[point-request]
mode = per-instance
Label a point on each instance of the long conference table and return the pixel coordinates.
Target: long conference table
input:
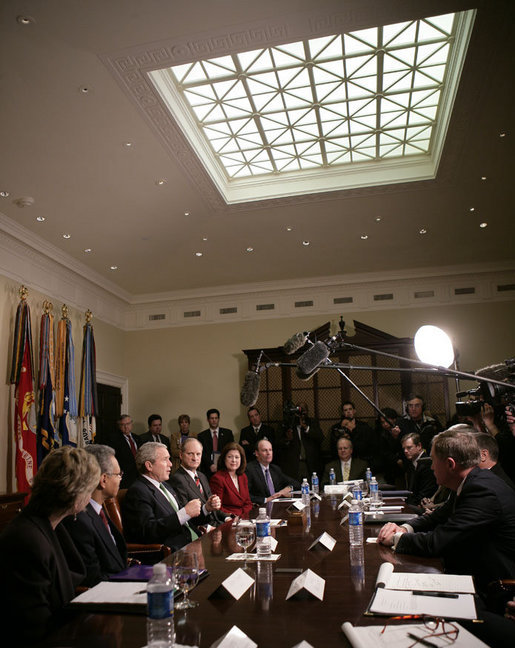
(263, 613)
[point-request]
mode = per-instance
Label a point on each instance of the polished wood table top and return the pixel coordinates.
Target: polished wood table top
(263, 612)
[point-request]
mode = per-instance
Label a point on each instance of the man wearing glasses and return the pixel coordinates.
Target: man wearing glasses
(99, 542)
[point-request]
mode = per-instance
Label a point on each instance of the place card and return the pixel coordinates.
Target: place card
(273, 543)
(336, 489)
(308, 583)
(346, 501)
(235, 638)
(297, 504)
(303, 644)
(325, 540)
(234, 586)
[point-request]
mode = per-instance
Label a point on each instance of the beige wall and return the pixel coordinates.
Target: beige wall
(190, 369)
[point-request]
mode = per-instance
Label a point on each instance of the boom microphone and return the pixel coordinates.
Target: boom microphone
(250, 390)
(295, 343)
(310, 361)
(499, 371)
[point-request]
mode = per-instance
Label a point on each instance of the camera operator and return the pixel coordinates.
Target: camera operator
(300, 442)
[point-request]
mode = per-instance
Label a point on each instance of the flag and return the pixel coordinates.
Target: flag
(88, 384)
(66, 402)
(46, 435)
(24, 414)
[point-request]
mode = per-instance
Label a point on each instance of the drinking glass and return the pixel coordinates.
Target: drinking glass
(186, 577)
(245, 536)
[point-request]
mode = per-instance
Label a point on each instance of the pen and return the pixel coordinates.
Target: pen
(437, 594)
(424, 642)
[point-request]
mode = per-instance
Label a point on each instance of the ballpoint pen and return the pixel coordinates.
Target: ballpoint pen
(422, 641)
(437, 594)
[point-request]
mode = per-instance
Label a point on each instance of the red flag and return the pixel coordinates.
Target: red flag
(24, 425)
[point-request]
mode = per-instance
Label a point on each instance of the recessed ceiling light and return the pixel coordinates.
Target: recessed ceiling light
(4, 194)
(87, 250)
(199, 254)
(114, 267)
(364, 237)
(186, 213)
(378, 219)
(40, 219)
(305, 242)
(502, 134)
(84, 89)
(422, 231)
(127, 144)
(483, 225)
(204, 238)
(67, 236)
(250, 249)
(289, 229)
(483, 177)
(25, 20)
(472, 209)
(160, 182)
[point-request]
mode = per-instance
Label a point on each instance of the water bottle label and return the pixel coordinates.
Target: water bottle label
(305, 490)
(374, 488)
(262, 529)
(159, 604)
(358, 494)
(355, 518)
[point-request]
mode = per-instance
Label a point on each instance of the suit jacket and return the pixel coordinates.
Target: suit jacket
(100, 554)
(258, 487)
(358, 470)
(473, 532)
(149, 517)
(39, 571)
(187, 490)
(233, 502)
(497, 470)
(290, 450)
(125, 457)
(224, 436)
(145, 438)
(248, 434)
(420, 480)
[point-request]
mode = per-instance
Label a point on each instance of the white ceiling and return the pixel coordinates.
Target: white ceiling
(65, 148)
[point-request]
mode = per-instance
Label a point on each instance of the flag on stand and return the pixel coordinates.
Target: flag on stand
(46, 435)
(88, 385)
(66, 401)
(24, 414)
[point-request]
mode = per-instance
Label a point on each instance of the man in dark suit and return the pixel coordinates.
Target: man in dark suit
(364, 441)
(99, 542)
(420, 479)
(300, 445)
(346, 467)
(251, 434)
(189, 483)
(125, 445)
(489, 449)
(151, 511)
(474, 532)
(155, 425)
(213, 440)
(266, 480)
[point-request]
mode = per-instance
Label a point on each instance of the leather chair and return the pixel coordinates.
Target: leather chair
(146, 553)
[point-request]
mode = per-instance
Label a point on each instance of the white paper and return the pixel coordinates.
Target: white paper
(395, 602)
(235, 638)
(325, 540)
(372, 540)
(252, 557)
(299, 505)
(397, 635)
(311, 582)
(237, 583)
(426, 582)
(273, 543)
(106, 592)
(335, 490)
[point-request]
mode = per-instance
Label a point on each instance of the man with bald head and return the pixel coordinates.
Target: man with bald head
(266, 480)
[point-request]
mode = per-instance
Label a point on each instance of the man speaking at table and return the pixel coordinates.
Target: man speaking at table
(474, 531)
(267, 481)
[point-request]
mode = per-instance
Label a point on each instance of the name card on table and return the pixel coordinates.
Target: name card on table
(307, 585)
(346, 501)
(325, 540)
(303, 644)
(234, 586)
(297, 504)
(273, 543)
(235, 638)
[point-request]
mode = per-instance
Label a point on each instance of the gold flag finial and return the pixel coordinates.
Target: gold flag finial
(47, 307)
(64, 311)
(89, 316)
(23, 292)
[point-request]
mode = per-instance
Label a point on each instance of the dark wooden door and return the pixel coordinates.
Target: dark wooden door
(109, 410)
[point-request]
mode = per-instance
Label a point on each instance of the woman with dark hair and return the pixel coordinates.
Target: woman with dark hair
(40, 566)
(230, 483)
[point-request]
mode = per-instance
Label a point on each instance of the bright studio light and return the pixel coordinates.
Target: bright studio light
(434, 346)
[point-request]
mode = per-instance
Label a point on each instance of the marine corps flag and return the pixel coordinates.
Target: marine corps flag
(46, 435)
(24, 414)
(88, 385)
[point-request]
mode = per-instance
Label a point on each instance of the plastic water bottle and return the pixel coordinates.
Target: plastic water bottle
(355, 524)
(314, 483)
(160, 608)
(357, 493)
(368, 476)
(263, 533)
(332, 477)
(374, 493)
(304, 489)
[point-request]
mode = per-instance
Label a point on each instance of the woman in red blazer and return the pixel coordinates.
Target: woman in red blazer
(230, 483)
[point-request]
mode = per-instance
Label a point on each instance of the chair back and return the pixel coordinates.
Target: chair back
(113, 508)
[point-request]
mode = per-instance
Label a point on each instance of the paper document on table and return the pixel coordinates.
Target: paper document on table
(427, 582)
(113, 593)
(398, 636)
(395, 602)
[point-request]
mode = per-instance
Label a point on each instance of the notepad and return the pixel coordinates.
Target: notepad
(397, 635)
(428, 582)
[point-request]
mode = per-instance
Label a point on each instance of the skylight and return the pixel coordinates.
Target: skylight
(345, 110)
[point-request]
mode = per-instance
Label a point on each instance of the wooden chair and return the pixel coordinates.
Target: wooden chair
(146, 553)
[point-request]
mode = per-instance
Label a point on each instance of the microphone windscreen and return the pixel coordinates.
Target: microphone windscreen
(305, 376)
(295, 343)
(313, 358)
(499, 371)
(250, 390)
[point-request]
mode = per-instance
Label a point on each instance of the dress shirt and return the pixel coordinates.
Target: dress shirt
(345, 464)
(192, 475)
(97, 508)
(182, 516)
(266, 472)
(415, 461)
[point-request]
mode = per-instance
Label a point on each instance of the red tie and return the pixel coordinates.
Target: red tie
(133, 446)
(215, 442)
(104, 519)
(198, 484)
